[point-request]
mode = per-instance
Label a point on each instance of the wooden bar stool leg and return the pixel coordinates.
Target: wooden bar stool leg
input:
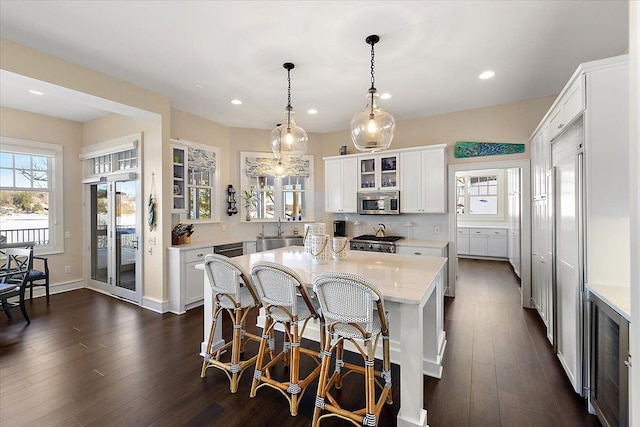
(235, 350)
(339, 363)
(386, 367)
(205, 363)
(322, 381)
(264, 342)
(294, 370)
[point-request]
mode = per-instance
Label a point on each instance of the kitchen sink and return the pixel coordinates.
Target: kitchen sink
(266, 243)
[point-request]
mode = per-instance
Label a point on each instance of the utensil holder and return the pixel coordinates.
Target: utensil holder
(175, 240)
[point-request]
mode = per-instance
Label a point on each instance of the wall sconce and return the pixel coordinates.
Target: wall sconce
(231, 200)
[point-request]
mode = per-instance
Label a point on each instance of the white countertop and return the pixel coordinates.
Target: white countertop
(213, 242)
(500, 226)
(617, 297)
(400, 278)
(423, 243)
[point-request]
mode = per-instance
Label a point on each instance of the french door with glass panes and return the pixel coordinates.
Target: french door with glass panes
(115, 237)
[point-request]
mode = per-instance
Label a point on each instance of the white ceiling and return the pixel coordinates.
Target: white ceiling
(428, 58)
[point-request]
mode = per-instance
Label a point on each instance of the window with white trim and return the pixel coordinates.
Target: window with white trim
(282, 191)
(480, 194)
(31, 196)
(202, 183)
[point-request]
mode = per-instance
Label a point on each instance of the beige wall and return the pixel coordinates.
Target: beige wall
(36, 127)
(513, 122)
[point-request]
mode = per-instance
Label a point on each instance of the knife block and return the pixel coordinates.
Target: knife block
(175, 240)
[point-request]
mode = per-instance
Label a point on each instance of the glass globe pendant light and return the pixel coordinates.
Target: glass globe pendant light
(372, 129)
(288, 140)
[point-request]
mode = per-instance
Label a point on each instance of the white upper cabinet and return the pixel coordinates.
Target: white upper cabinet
(423, 181)
(570, 105)
(341, 185)
(179, 168)
(379, 172)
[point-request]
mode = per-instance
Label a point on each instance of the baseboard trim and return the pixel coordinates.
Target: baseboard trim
(57, 288)
(155, 305)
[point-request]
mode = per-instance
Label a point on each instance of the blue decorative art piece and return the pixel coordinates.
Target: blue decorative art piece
(476, 149)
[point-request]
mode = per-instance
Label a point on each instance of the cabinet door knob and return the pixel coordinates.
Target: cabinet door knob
(560, 126)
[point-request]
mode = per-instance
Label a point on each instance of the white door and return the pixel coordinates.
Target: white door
(115, 237)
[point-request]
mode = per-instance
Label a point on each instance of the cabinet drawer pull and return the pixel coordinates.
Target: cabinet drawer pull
(200, 255)
(417, 253)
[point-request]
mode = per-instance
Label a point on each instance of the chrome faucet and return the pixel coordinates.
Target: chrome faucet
(279, 228)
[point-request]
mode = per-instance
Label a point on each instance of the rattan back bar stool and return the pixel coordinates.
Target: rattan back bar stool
(353, 309)
(287, 303)
(234, 293)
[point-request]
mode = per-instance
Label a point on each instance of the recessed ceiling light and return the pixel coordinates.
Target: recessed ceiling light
(385, 96)
(236, 102)
(199, 86)
(486, 75)
(312, 111)
(36, 92)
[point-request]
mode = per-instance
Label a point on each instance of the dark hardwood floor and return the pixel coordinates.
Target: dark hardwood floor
(92, 360)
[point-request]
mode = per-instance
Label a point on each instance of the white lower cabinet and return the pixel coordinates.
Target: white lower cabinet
(429, 251)
(186, 284)
(463, 240)
(485, 242)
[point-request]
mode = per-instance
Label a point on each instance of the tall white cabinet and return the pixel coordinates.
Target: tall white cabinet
(580, 207)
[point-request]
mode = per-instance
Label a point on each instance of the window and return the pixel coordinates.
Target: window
(286, 194)
(202, 178)
(31, 193)
(480, 194)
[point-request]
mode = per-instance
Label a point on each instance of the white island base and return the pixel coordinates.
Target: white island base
(413, 290)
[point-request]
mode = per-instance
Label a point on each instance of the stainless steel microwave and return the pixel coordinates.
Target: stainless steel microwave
(379, 203)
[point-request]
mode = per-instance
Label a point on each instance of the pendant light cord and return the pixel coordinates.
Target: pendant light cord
(373, 79)
(372, 90)
(289, 107)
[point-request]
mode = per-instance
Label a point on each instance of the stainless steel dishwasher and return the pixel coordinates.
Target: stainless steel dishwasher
(230, 250)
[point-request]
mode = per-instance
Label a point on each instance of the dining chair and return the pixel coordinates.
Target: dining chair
(38, 277)
(286, 303)
(353, 309)
(13, 280)
(233, 292)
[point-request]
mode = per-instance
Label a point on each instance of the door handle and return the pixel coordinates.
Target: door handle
(135, 244)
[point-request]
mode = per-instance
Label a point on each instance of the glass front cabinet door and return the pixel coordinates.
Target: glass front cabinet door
(378, 173)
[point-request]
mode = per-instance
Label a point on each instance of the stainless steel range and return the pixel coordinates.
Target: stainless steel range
(371, 243)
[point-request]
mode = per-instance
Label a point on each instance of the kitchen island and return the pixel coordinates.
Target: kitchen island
(413, 294)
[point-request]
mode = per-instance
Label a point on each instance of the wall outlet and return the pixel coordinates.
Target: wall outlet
(67, 234)
(152, 241)
(67, 269)
(223, 227)
(436, 229)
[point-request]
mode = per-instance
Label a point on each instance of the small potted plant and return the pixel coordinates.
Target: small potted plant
(249, 200)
